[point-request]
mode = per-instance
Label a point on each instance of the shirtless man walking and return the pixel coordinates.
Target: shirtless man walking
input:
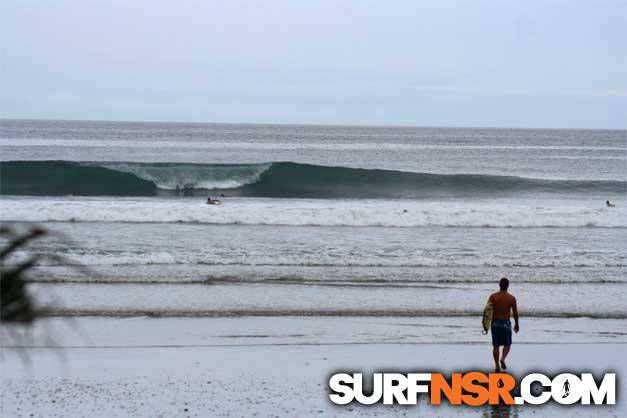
(503, 302)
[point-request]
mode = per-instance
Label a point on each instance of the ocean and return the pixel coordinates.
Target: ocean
(321, 220)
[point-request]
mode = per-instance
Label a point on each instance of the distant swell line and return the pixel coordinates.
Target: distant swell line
(309, 282)
(313, 313)
(344, 265)
(420, 284)
(275, 180)
(498, 224)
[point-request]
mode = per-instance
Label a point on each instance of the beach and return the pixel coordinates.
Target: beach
(265, 366)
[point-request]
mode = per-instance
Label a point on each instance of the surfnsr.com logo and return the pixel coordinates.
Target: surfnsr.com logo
(473, 389)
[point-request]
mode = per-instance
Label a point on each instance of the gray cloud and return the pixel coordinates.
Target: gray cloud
(471, 63)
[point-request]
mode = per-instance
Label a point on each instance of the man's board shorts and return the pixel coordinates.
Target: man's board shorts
(501, 332)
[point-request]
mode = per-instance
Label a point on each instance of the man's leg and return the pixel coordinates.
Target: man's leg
(505, 353)
(495, 355)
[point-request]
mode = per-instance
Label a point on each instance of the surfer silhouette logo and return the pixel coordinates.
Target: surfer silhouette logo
(566, 389)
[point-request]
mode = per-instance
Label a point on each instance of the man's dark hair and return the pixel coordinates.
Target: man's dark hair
(504, 283)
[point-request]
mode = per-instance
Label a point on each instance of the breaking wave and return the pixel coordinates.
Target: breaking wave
(276, 180)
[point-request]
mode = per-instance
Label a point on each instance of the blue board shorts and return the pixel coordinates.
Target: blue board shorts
(501, 332)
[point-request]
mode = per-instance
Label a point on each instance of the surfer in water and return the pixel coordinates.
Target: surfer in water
(501, 327)
(211, 201)
(609, 204)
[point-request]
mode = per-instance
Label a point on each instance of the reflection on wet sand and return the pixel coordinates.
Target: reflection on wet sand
(499, 411)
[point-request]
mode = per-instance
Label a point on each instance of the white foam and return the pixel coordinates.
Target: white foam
(323, 260)
(398, 213)
(175, 176)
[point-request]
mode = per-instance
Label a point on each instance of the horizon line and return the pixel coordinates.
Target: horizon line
(345, 125)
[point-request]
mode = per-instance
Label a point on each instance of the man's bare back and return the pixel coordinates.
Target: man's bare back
(503, 303)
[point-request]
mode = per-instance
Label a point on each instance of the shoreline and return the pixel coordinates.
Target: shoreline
(98, 331)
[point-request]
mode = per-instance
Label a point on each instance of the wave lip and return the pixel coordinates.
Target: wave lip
(274, 180)
(173, 176)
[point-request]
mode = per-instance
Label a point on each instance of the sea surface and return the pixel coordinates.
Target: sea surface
(320, 220)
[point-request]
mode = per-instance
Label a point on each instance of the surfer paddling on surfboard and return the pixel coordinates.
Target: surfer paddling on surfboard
(211, 201)
(497, 313)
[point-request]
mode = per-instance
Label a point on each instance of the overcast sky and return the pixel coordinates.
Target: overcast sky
(425, 63)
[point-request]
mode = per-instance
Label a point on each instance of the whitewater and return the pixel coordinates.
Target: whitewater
(319, 212)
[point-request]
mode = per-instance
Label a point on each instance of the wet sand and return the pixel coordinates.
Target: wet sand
(199, 367)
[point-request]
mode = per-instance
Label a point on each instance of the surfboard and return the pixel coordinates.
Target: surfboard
(487, 317)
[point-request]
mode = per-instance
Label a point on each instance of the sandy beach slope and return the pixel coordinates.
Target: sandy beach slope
(203, 367)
